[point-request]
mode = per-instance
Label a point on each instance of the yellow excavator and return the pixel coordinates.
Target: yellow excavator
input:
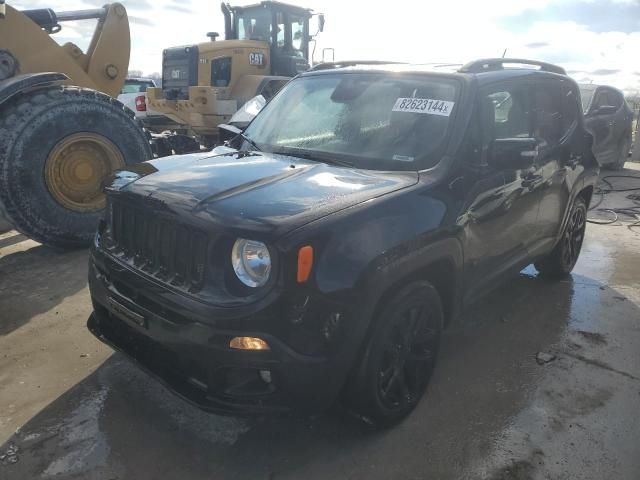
(61, 130)
(203, 85)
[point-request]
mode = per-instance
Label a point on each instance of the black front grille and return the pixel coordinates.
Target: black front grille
(171, 252)
(179, 71)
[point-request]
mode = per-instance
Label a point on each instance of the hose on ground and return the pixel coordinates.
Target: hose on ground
(603, 188)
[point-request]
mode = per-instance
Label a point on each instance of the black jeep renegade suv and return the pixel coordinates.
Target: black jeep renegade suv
(322, 252)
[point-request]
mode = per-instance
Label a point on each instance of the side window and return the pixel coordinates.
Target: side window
(614, 98)
(571, 107)
(297, 32)
(506, 113)
(280, 31)
(548, 113)
(221, 72)
(602, 98)
(255, 25)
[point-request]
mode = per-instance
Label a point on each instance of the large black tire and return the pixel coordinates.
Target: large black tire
(400, 354)
(563, 258)
(31, 125)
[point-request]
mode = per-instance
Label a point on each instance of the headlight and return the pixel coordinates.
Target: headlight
(251, 262)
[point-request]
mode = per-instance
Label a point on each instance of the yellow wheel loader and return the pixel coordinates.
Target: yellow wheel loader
(61, 132)
(204, 85)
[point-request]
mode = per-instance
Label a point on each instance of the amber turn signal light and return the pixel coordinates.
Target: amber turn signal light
(305, 262)
(248, 343)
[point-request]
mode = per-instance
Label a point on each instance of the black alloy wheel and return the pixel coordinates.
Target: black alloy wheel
(564, 256)
(408, 357)
(573, 237)
(400, 354)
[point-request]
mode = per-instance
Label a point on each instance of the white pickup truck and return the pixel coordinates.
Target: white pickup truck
(134, 96)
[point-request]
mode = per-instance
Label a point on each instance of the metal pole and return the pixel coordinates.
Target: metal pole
(80, 14)
(2, 9)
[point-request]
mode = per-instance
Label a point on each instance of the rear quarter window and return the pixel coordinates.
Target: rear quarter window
(136, 86)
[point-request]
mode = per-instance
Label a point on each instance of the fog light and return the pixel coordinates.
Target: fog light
(265, 375)
(248, 343)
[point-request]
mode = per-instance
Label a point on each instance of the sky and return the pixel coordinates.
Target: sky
(594, 40)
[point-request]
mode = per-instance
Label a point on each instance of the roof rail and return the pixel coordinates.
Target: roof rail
(491, 64)
(441, 64)
(350, 63)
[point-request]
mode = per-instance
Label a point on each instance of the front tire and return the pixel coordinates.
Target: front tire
(56, 146)
(396, 365)
(564, 256)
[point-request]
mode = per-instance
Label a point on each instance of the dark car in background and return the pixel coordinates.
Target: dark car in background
(609, 118)
(321, 254)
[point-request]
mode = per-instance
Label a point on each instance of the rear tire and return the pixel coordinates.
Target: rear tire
(46, 127)
(398, 360)
(564, 256)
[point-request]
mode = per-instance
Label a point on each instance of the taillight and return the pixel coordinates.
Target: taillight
(141, 104)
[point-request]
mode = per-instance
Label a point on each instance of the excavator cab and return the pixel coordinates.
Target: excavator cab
(203, 85)
(284, 27)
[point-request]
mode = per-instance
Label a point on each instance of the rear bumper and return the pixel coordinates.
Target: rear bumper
(194, 360)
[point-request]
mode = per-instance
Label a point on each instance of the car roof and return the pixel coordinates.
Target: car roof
(448, 69)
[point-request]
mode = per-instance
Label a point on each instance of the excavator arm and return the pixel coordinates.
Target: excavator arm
(27, 46)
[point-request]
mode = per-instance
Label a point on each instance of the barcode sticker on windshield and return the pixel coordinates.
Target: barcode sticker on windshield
(423, 105)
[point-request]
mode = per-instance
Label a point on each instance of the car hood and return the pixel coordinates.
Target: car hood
(259, 192)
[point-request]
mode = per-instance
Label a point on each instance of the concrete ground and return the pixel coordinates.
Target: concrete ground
(70, 408)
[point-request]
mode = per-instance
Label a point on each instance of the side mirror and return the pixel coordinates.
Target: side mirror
(605, 110)
(319, 23)
(513, 153)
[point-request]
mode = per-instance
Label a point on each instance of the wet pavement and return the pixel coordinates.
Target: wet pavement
(540, 380)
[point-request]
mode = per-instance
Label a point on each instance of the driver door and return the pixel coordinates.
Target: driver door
(501, 204)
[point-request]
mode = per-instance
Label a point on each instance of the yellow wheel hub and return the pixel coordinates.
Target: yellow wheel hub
(76, 167)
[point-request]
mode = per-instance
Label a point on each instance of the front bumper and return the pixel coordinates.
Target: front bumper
(193, 358)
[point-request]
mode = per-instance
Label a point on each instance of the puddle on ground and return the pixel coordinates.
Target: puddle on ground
(80, 436)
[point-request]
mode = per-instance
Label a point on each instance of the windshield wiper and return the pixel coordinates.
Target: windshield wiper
(316, 157)
(249, 141)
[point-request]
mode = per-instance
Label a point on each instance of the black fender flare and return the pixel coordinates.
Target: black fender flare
(380, 277)
(28, 81)
(385, 274)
